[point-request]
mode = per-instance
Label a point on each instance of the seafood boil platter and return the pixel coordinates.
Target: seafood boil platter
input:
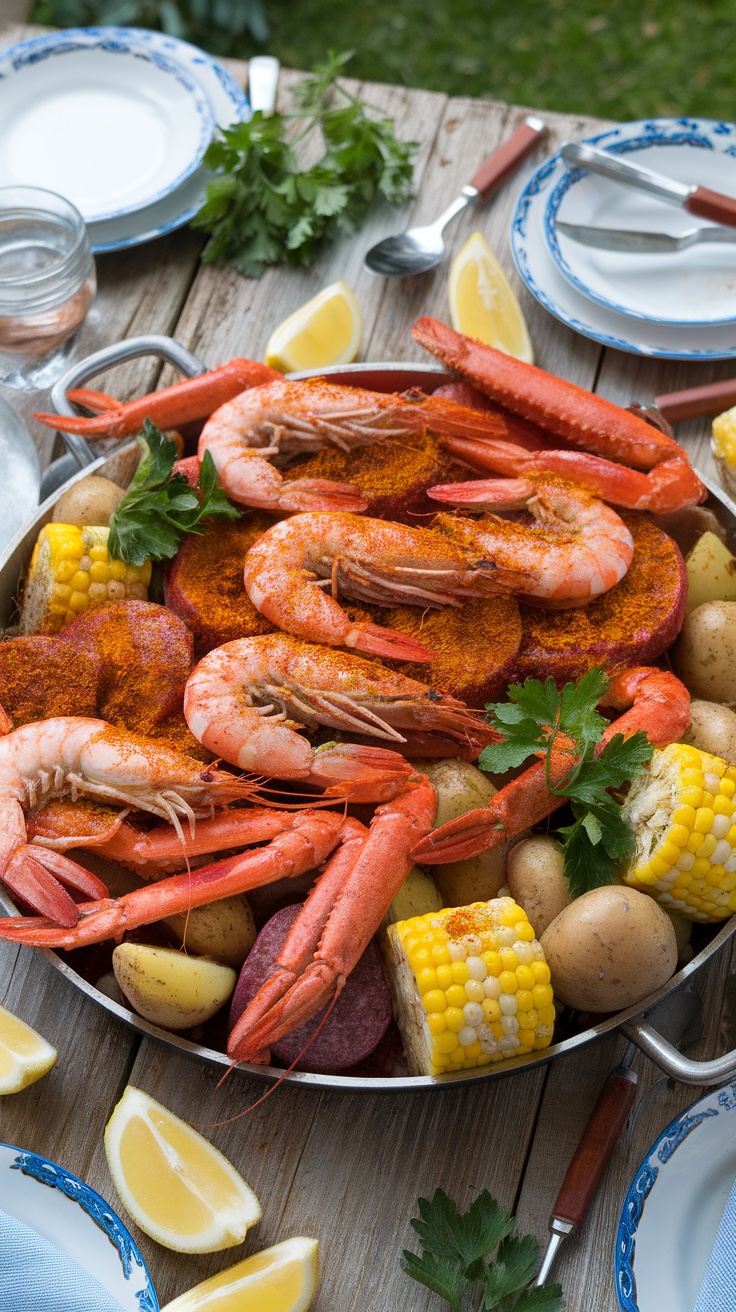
(337, 555)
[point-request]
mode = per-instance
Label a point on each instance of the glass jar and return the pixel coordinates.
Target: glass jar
(47, 284)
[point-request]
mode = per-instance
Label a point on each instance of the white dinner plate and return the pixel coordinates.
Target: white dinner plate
(546, 282)
(229, 105)
(674, 1206)
(694, 287)
(66, 1212)
(101, 118)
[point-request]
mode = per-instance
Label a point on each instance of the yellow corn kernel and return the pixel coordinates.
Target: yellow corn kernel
(460, 972)
(434, 1001)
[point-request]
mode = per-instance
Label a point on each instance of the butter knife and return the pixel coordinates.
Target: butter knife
(648, 243)
(702, 201)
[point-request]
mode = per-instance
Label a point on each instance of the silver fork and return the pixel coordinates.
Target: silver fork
(625, 239)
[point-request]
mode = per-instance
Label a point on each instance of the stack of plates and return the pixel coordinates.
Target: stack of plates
(118, 121)
(675, 306)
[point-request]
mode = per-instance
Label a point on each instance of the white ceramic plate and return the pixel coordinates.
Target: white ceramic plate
(696, 286)
(101, 118)
(674, 1206)
(546, 282)
(64, 1210)
(229, 105)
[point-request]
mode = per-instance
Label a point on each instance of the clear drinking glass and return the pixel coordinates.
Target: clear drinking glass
(47, 284)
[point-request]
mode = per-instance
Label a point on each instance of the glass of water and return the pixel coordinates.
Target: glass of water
(47, 284)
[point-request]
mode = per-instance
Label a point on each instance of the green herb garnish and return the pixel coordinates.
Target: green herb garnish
(160, 506)
(532, 723)
(457, 1246)
(263, 209)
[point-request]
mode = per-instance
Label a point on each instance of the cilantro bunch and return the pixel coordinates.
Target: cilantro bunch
(456, 1247)
(160, 506)
(532, 724)
(263, 208)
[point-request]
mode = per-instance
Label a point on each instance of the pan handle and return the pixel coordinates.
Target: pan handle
(166, 348)
(672, 1062)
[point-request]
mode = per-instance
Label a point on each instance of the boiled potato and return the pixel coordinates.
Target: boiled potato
(711, 572)
(713, 730)
(170, 989)
(225, 931)
(461, 787)
(609, 949)
(93, 500)
(418, 895)
(536, 879)
(704, 656)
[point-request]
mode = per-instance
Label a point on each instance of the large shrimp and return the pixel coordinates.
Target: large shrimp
(85, 757)
(245, 700)
(293, 568)
(268, 425)
(577, 549)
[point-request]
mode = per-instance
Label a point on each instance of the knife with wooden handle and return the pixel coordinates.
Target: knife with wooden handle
(702, 201)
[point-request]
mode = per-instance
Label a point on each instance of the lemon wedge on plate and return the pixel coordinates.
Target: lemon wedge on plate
(482, 304)
(178, 1188)
(280, 1279)
(327, 330)
(24, 1055)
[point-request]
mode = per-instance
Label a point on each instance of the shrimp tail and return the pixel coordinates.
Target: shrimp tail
(386, 642)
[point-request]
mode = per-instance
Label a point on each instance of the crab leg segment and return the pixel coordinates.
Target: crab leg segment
(340, 917)
(657, 703)
(310, 838)
(194, 398)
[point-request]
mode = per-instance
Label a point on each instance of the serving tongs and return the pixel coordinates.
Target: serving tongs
(702, 201)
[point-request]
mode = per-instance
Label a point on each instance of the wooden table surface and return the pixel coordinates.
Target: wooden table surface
(348, 1168)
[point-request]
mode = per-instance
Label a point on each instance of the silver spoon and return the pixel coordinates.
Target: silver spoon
(422, 248)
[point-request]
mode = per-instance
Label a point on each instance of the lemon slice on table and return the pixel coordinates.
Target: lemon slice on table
(24, 1055)
(327, 330)
(280, 1279)
(482, 304)
(178, 1188)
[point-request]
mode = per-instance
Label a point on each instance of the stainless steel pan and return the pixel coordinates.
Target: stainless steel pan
(633, 1022)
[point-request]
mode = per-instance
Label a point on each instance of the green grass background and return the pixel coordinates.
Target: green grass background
(621, 60)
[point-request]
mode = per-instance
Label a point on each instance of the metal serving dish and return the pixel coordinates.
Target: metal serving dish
(120, 466)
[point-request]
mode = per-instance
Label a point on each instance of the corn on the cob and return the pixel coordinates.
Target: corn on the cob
(71, 571)
(470, 986)
(684, 820)
(723, 446)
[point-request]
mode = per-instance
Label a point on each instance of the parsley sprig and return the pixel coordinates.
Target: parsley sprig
(263, 208)
(160, 506)
(457, 1246)
(532, 723)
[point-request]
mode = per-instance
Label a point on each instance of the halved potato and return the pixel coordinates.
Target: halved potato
(169, 988)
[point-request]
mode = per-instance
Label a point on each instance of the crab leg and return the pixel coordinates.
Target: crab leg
(657, 703)
(194, 398)
(308, 841)
(570, 412)
(337, 922)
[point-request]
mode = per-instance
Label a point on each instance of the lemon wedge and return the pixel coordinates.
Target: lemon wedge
(178, 1188)
(24, 1055)
(327, 330)
(482, 304)
(280, 1279)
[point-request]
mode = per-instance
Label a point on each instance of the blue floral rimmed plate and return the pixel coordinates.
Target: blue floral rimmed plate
(673, 1208)
(66, 1212)
(691, 288)
(552, 289)
(102, 118)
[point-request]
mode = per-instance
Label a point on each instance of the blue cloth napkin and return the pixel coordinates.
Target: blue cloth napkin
(718, 1289)
(35, 1276)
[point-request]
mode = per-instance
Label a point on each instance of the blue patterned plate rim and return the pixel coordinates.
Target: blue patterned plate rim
(646, 132)
(673, 1135)
(191, 196)
(97, 1208)
(519, 237)
(119, 41)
